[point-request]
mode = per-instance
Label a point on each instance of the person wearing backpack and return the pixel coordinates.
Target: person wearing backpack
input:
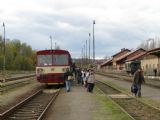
(138, 80)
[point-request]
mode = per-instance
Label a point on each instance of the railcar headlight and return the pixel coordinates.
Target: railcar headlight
(40, 70)
(64, 69)
(52, 69)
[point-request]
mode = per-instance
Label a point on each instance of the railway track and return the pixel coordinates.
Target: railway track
(32, 108)
(17, 78)
(149, 82)
(15, 83)
(135, 108)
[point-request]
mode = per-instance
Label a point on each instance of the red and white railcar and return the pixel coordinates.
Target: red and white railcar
(51, 65)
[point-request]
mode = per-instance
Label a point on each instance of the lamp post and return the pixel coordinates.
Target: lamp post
(84, 54)
(93, 42)
(4, 58)
(82, 58)
(86, 51)
(51, 42)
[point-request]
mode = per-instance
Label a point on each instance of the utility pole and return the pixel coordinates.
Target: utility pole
(55, 45)
(4, 58)
(86, 52)
(82, 58)
(89, 47)
(93, 43)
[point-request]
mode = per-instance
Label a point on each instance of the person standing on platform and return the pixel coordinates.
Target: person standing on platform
(79, 76)
(68, 77)
(86, 78)
(90, 81)
(83, 76)
(155, 72)
(138, 80)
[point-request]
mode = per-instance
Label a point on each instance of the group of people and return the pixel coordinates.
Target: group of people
(82, 76)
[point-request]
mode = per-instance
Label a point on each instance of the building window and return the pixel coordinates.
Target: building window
(149, 66)
(153, 66)
(146, 66)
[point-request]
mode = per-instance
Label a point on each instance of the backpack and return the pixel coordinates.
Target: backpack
(134, 88)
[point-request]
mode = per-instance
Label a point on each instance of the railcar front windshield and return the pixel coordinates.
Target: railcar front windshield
(46, 60)
(60, 59)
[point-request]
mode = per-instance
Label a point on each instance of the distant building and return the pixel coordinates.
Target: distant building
(118, 60)
(106, 64)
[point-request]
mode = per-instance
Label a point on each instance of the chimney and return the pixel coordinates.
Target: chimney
(122, 49)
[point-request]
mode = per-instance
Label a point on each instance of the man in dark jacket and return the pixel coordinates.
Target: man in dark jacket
(138, 80)
(68, 81)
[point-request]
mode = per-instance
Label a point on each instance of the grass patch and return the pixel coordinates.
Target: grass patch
(108, 110)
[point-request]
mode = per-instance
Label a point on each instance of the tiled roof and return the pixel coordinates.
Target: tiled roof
(136, 56)
(121, 57)
(121, 52)
(153, 50)
(106, 62)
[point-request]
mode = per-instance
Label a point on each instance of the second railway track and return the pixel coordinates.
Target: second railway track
(132, 106)
(33, 108)
(149, 82)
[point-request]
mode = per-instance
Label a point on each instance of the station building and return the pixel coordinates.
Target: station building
(151, 61)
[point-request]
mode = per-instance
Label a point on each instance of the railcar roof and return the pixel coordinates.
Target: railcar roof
(52, 51)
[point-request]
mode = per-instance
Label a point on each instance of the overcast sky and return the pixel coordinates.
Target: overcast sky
(119, 23)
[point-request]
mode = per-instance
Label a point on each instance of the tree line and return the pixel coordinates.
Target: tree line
(150, 43)
(19, 56)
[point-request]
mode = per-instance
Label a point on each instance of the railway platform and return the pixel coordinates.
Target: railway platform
(82, 105)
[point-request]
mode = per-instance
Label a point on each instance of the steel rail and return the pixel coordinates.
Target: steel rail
(47, 107)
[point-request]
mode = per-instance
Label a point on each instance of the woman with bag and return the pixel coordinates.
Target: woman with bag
(68, 77)
(90, 81)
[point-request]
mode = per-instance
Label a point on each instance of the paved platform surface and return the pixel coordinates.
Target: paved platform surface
(82, 105)
(75, 105)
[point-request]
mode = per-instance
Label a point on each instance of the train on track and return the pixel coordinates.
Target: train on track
(132, 67)
(51, 65)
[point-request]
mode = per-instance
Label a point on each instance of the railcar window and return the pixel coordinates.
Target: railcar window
(60, 59)
(44, 60)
